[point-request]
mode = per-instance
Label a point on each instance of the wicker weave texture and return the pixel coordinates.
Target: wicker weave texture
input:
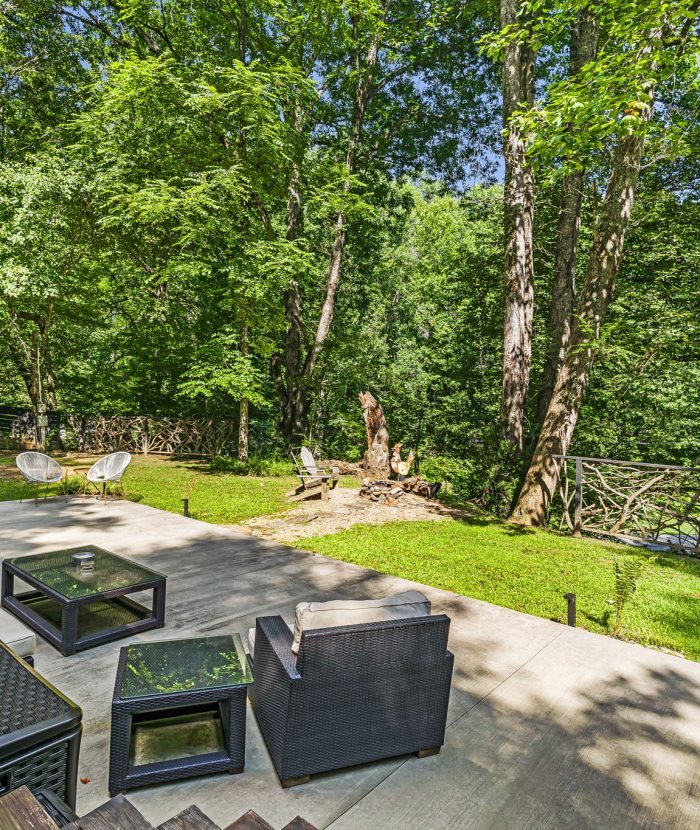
(25, 700)
(40, 732)
(355, 694)
(45, 768)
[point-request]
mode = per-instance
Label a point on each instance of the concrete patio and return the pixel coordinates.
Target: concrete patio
(549, 727)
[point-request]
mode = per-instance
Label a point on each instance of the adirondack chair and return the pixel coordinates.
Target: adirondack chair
(312, 481)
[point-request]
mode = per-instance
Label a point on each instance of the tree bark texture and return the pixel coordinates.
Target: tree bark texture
(243, 406)
(584, 40)
(293, 376)
(518, 90)
(288, 373)
(596, 294)
(377, 455)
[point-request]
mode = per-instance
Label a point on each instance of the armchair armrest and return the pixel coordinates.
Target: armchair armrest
(275, 675)
(273, 646)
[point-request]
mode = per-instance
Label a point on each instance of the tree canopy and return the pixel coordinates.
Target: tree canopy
(257, 209)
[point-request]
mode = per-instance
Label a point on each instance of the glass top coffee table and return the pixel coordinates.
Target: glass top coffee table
(178, 710)
(75, 609)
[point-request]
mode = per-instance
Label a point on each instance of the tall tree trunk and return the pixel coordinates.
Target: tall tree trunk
(293, 384)
(288, 376)
(243, 406)
(584, 39)
(596, 294)
(518, 90)
(31, 355)
(364, 72)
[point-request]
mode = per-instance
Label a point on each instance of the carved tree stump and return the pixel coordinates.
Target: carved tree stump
(377, 455)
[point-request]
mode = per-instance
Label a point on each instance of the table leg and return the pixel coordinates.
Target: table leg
(159, 604)
(8, 583)
(69, 627)
(236, 707)
(120, 740)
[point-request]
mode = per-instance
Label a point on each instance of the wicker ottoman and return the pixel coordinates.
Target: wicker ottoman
(39, 732)
(179, 710)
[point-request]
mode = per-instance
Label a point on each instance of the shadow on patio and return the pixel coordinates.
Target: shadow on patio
(548, 726)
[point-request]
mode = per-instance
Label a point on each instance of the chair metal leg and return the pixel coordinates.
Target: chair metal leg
(24, 488)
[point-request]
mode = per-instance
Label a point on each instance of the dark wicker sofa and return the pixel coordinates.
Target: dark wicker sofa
(352, 695)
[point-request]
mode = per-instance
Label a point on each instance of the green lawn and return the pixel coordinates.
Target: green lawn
(522, 569)
(218, 497)
(529, 571)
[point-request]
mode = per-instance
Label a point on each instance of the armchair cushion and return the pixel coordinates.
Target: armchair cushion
(312, 615)
(16, 635)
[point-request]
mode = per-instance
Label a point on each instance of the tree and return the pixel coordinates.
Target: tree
(376, 109)
(45, 245)
(582, 50)
(639, 54)
(518, 193)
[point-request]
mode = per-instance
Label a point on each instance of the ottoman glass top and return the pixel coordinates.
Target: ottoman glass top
(173, 666)
(56, 570)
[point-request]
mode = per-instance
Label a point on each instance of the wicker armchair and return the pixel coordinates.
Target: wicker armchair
(352, 695)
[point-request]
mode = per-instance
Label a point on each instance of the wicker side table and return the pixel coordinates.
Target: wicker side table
(179, 710)
(40, 731)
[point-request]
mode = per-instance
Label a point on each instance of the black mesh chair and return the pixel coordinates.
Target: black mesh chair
(353, 694)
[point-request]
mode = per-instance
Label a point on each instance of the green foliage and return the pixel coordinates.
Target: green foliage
(146, 155)
(643, 53)
(627, 574)
(255, 466)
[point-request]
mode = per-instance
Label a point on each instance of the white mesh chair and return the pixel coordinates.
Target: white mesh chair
(111, 468)
(38, 469)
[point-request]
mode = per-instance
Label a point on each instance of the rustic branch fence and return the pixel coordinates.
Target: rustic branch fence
(651, 503)
(136, 434)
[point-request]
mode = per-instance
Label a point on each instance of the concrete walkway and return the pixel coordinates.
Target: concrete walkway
(549, 727)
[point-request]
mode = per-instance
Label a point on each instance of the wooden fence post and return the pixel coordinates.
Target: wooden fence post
(578, 496)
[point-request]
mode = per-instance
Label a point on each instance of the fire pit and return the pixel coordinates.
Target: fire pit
(382, 490)
(385, 491)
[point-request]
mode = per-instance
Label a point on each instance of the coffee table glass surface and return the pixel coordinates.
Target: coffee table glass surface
(76, 607)
(172, 666)
(57, 571)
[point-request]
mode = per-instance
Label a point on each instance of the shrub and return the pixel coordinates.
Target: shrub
(489, 477)
(255, 466)
(628, 570)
